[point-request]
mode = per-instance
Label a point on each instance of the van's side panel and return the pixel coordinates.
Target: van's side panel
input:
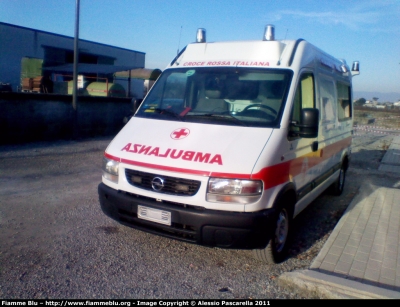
(315, 162)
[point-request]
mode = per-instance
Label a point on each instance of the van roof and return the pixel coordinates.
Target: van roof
(293, 54)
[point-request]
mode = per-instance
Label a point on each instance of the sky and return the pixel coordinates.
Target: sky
(355, 30)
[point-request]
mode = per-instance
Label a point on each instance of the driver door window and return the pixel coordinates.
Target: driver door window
(304, 98)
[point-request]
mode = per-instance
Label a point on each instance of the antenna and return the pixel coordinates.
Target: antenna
(287, 30)
(279, 62)
(179, 40)
(280, 58)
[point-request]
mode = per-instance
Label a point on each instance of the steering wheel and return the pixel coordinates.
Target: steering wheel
(255, 105)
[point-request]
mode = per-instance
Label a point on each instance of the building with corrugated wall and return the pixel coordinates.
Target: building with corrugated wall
(39, 61)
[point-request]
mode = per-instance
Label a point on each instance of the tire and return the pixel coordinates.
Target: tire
(277, 247)
(338, 186)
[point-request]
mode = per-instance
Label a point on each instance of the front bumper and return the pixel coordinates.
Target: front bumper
(245, 230)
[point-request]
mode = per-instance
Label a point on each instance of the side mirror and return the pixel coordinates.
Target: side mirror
(308, 126)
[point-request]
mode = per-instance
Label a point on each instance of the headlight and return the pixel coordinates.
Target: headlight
(234, 190)
(110, 169)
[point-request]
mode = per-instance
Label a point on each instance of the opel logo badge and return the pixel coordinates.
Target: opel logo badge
(157, 183)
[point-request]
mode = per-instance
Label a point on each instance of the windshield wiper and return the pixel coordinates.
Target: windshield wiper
(168, 112)
(224, 115)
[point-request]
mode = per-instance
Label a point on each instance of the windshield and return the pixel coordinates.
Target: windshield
(226, 96)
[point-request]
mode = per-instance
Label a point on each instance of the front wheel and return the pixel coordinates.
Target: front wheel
(277, 247)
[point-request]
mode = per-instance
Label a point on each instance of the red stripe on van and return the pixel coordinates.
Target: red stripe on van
(112, 157)
(281, 173)
(270, 175)
(166, 168)
(159, 167)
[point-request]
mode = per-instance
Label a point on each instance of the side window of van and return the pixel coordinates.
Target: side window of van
(328, 105)
(343, 101)
(304, 97)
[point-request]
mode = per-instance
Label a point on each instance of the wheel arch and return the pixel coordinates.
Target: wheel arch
(287, 195)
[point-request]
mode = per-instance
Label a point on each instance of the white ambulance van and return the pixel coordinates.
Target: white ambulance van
(231, 143)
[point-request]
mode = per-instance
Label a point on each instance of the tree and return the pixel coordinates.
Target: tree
(360, 102)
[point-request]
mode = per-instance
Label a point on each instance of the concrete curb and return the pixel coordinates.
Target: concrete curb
(391, 160)
(324, 286)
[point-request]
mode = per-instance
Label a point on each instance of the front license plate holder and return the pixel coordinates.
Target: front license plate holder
(154, 215)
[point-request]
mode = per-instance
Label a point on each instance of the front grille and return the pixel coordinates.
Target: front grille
(169, 203)
(172, 185)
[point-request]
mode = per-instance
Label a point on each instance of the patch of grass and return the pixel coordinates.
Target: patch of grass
(383, 117)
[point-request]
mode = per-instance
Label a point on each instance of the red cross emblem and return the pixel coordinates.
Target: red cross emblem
(180, 133)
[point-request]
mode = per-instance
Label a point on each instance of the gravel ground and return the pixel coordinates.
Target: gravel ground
(56, 242)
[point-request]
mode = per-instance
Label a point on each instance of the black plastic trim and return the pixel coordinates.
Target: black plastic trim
(245, 230)
(294, 51)
(179, 54)
(316, 182)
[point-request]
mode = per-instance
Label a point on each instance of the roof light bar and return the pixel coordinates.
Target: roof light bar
(201, 35)
(355, 69)
(269, 33)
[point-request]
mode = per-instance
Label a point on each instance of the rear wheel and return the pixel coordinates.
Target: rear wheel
(276, 250)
